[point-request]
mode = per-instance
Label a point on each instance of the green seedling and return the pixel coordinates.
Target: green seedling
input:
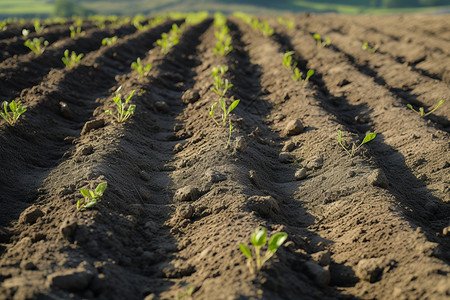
(370, 136)
(298, 75)
(321, 43)
(3, 25)
(109, 40)
(365, 46)
(91, 197)
(220, 20)
(36, 45)
(71, 60)
(168, 40)
(25, 32)
(76, 31)
(223, 45)
(187, 293)
(142, 70)
(421, 111)
(225, 110)
(287, 60)
(288, 23)
(266, 29)
(38, 27)
(221, 85)
(138, 19)
(123, 113)
(16, 110)
(258, 240)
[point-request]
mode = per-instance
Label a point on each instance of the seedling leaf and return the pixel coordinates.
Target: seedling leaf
(370, 136)
(259, 237)
(85, 193)
(276, 241)
(244, 249)
(233, 105)
(101, 189)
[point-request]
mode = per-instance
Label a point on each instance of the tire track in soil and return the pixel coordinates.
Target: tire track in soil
(393, 156)
(34, 146)
(108, 245)
(15, 46)
(17, 74)
(408, 86)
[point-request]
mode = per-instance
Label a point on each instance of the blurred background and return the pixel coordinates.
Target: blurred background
(68, 8)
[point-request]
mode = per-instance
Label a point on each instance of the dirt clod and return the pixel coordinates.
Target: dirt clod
(91, 125)
(288, 146)
(285, 157)
(162, 106)
(370, 269)
(187, 193)
(266, 206)
(71, 279)
(293, 127)
(30, 215)
(320, 275)
(315, 162)
(190, 96)
(323, 258)
(300, 174)
(67, 229)
(378, 178)
(185, 211)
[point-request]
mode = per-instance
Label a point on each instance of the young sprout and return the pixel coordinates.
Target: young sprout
(287, 60)
(91, 197)
(221, 85)
(288, 23)
(37, 27)
(36, 45)
(16, 110)
(142, 70)
(258, 240)
(25, 32)
(71, 60)
(297, 76)
(109, 40)
(370, 136)
(365, 46)
(168, 40)
(309, 74)
(321, 43)
(3, 25)
(75, 31)
(122, 113)
(421, 111)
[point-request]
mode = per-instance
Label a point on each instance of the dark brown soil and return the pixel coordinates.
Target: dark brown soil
(179, 200)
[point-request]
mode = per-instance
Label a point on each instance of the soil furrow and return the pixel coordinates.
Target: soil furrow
(15, 46)
(17, 74)
(109, 245)
(401, 169)
(385, 213)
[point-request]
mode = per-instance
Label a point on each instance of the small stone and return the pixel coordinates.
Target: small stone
(300, 174)
(293, 127)
(190, 96)
(320, 275)
(214, 176)
(66, 112)
(378, 178)
(30, 215)
(162, 106)
(144, 175)
(27, 265)
(315, 162)
(178, 147)
(322, 257)
(240, 144)
(187, 193)
(91, 125)
(370, 269)
(288, 146)
(185, 211)
(284, 157)
(253, 177)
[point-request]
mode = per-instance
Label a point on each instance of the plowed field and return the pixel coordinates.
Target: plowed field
(179, 200)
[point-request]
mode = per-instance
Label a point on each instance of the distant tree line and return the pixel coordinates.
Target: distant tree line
(69, 8)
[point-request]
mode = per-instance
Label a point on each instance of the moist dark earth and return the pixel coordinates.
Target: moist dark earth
(180, 200)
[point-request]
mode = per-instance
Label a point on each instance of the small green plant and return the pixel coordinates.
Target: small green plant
(37, 45)
(221, 85)
(76, 31)
(186, 293)
(142, 70)
(16, 110)
(370, 136)
(421, 111)
(223, 44)
(365, 46)
(288, 23)
(287, 60)
(137, 20)
(321, 43)
(298, 75)
(3, 25)
(123, 113)
(168, 40)
(71, 60)
(38, 27)
(25, 32)
(225, 110)
(91, 197)
(109, 40)
(258, 240)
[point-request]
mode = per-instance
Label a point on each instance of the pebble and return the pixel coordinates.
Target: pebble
(86, 150)
(285, 157)
(91, 125)
(293, 127)
(214, 176)
(178, 147)
(378, 178)
(145, 194)
(187, 193)
(144, 175)
(190, 96)
(300, 174)
(320, 275)
(315, 162)
(65, 110)
(30, 215)
(162, 106)
(185, 211)
(288, 146)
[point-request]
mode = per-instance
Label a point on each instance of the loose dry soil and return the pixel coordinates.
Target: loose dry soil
(179, 201)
